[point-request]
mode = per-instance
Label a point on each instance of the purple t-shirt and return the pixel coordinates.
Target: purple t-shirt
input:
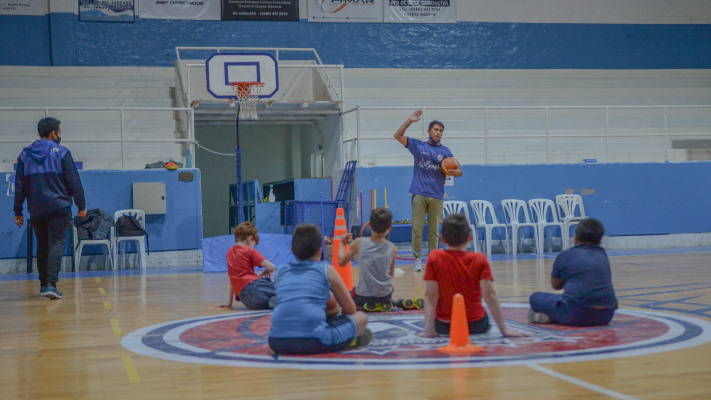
(427, 177)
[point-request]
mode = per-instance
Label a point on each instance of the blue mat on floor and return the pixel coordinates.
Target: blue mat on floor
(274, 247)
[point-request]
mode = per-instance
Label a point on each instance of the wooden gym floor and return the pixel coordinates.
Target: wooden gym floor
(71, 348)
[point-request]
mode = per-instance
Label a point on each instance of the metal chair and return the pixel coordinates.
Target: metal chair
(140, 240)
(540, 211)
(80, 243)
(485, 218)
(451, 207)
(566, 205)
(517, 218)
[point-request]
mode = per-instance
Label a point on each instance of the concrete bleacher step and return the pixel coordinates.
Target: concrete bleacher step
(69, 82)
(77, 94)
(88, 103)
(68, 94)
(458, 96)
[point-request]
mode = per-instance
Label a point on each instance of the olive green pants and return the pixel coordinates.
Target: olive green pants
(432, 207)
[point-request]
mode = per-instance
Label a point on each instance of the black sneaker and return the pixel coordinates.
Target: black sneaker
(363, 339)
(417, 303)
(378, 307)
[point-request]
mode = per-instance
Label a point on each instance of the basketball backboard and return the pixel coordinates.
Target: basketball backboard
(223, 68)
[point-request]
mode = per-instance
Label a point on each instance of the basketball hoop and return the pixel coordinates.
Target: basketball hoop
(247, 95)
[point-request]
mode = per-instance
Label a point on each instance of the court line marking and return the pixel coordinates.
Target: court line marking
(131, 370)
(102, 291)
(582, 383)
(115, 326)
(107, 305)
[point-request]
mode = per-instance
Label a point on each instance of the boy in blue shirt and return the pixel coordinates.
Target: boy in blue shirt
(583, 272)
(427, 186)
(303, 288)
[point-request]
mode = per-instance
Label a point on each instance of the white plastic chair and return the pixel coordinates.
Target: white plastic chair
(540, 211)
(451, 207)
(80, 243)
(566, 205)
(514, 211)
(485, 218)
(140, 240)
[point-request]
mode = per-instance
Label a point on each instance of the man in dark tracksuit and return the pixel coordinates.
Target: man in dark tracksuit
(47, 177)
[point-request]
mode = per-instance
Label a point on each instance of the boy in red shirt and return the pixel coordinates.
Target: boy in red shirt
(455, 271)
(254, 291)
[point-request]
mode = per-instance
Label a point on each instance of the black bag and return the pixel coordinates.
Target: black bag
(128, 225)
(96, 225)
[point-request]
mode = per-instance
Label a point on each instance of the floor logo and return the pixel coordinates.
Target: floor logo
(241, 340)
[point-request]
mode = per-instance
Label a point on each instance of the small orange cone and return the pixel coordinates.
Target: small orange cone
(340, 229)
(459, 329)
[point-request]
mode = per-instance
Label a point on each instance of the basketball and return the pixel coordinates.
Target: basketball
(449, 164)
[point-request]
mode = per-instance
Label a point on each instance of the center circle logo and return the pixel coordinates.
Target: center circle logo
(240, 339)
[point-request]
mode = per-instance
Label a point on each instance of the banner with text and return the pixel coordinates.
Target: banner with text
(420, 11)
(23, 7)
(345, 10)
(260, 10)
(107, 10)
(179, 9)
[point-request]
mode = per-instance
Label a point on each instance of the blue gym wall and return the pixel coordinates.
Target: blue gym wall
(179, 229)
(25, 40)
(630, 199)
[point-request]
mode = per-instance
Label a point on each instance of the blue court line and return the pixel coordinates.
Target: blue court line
(401, 253)
(662, 286)
(103, 273)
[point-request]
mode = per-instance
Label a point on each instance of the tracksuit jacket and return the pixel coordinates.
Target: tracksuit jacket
(47, 177)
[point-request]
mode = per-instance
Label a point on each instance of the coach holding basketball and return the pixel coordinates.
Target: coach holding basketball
(427, 186)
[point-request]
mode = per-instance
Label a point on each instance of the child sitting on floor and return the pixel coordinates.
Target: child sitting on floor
(256, 292)
(583, 272)
(455, 271)
(376, 262)
(303, 288)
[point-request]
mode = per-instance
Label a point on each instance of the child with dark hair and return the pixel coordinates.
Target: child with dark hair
(584, 274)
(256, 292)
(304, 287)
(376, 262)
(455, 271)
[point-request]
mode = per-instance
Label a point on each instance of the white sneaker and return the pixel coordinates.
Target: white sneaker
(418, 265)
(537, 317)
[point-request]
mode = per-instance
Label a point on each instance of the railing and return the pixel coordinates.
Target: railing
(536, 135)
(24, 137)
(335, 91)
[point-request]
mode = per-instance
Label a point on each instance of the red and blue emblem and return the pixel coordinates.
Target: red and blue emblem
(240, 339)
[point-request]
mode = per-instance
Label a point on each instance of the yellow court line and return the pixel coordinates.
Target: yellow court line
(102, 291)
(115, 326)
(130, 369)
(107, 305)
(97, 279)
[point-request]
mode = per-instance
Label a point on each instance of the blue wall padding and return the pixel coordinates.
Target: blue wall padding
(179, 229)
(630, 199)
(274, 247)
(468, 45)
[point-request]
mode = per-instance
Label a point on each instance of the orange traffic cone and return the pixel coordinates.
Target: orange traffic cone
(459, 329)
(340, 229)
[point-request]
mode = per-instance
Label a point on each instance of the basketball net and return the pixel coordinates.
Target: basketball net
(247, 95)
